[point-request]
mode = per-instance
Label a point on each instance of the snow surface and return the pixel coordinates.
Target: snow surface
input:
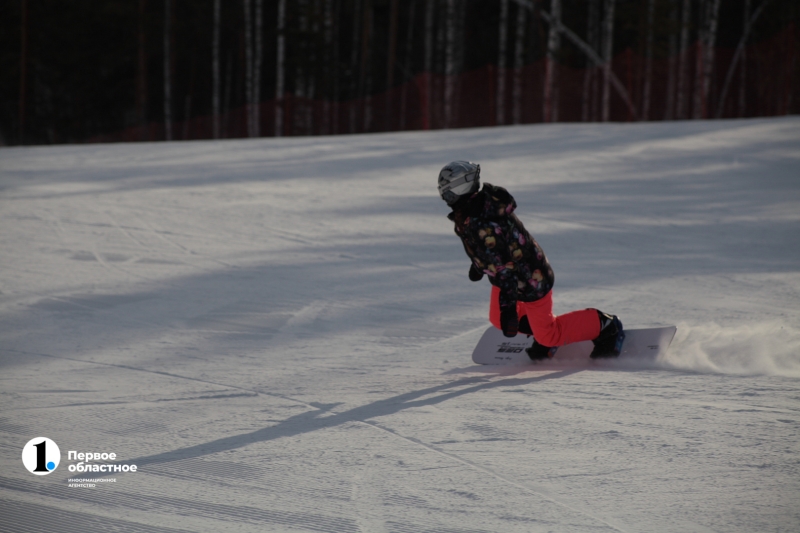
(278, 333)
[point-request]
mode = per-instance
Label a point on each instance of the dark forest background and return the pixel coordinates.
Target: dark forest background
(145, 70)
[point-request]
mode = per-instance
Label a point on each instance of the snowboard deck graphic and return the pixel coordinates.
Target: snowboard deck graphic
(496, 349)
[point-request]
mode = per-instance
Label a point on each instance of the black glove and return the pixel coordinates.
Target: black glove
(525, 326)
(509, 321)
(474, 273)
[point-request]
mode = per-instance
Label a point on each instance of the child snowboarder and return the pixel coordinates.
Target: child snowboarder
(522, 279)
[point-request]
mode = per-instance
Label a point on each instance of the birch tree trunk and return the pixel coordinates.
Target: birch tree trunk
(23, 69)
(440, 66)
(501, 64)
(550, 111)
(366, 71)
(461, 16)
(259, 53)
(699, 59)
(298, 109)
(588, 102)
(426, 86)
(608, 49)
(519, 49)
(648, 66)
(683, 74)
(167, 70)
(248, 67)
(743, 70)
(279, 67)
(335, 67)
(390, 66)
(354, 64)
(739, 53)
(226, 102)
(587, 50)
(669, 111)
(141, 78)
(450, 63)
(407, 64)
(329, 48)
(226, 95)
(215, 85)
(712, 18)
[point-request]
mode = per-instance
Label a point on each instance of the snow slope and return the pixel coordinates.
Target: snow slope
(278, 333)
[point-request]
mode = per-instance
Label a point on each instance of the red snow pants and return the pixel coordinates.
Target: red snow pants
(548, 329)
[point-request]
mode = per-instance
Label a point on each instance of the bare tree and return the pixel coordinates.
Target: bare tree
(669, 110)
(683, 75)
(141, 75)
(215, 85)
(743, 70)
(705, 58)
(226, 101)
(450, 63)
(737, 55)
(299, 114)
(279, 67)
(426, 96)
(608, 48)
(699, 56)
(365, 84)
(589, 100)
(354, 64)
(335, 68)
(440, 64)
(253, 49)
(167, 70)
(519, 50)
(329, 60)
(501, 63)
(648, 66)
(591, 54)
(390, 63)
(259, 53)
(407, 63)
(248, 67)
(550, 110)
(23, 69)
(461, 16)
(453, 57)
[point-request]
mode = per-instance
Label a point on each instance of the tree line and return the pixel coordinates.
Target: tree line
(179, 69)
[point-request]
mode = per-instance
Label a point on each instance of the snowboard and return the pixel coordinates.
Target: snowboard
(496, 349)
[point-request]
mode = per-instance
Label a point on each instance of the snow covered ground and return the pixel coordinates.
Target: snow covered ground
(277, 332)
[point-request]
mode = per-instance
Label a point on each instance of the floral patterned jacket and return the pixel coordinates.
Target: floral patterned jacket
(499, 246)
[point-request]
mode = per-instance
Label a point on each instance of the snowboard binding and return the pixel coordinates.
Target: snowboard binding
(612, 335)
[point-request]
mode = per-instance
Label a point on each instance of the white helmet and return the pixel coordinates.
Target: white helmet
(458, 179)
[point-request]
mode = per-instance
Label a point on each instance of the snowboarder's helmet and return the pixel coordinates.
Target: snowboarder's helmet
(457, 179)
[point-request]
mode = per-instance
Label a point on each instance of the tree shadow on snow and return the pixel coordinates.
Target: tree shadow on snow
(324, 418)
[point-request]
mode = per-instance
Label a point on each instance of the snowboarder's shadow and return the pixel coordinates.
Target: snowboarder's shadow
(509, 370)
(323, 416)
(568, 366)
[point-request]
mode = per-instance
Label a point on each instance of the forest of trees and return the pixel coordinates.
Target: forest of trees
(148, 70)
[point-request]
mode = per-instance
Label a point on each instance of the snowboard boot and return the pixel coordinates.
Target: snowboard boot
(609, 342)
(540, 352)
